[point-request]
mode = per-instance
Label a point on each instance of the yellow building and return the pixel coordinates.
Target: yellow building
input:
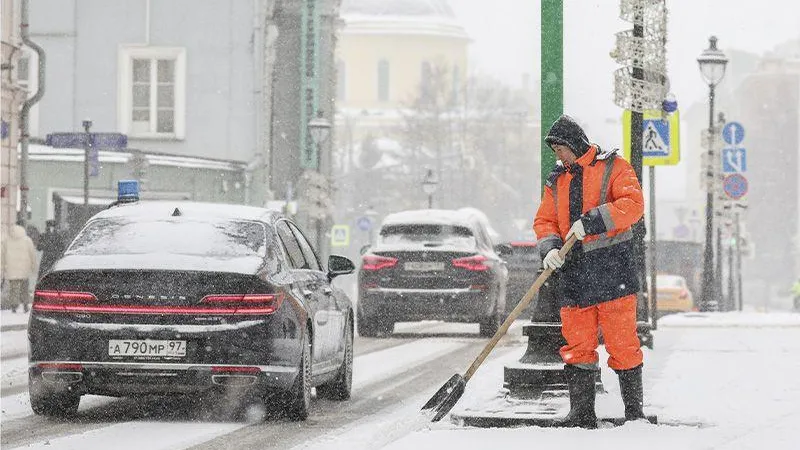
(387, 51)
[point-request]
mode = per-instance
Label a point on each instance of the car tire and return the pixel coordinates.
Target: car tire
(341, 386)
(490, 325)
(53, 404)
(299, 398)
(374, 327)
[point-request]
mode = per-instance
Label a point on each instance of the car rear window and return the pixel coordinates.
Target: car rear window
(430, 235)
(180, 236)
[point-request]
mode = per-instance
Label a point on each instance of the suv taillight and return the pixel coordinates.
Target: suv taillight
(474, 263)
(376, 262)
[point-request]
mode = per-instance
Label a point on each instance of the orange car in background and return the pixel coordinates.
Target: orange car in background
(673, 295)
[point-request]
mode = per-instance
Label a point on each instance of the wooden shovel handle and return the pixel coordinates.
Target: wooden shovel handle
(517, 311)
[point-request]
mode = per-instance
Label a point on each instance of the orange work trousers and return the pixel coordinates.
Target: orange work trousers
(617, 319)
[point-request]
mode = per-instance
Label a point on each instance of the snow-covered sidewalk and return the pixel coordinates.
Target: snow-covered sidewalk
(732, 375)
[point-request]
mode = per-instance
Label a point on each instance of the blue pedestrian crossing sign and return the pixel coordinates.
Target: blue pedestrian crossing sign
(340, 236)
(660, 138)
(734, 160)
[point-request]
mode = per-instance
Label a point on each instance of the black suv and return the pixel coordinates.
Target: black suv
(432, 265)
(524, 265)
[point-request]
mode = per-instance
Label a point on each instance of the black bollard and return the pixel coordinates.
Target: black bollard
(540, 371)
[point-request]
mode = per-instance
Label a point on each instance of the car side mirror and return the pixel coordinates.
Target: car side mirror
(339, 265)
(364, 249)
(503, 249)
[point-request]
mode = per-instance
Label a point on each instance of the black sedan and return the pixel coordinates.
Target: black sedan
(432, 265)
(187, 298)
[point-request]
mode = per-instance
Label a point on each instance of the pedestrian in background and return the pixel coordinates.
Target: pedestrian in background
(596, 197)
(19, 265)
(52, 246)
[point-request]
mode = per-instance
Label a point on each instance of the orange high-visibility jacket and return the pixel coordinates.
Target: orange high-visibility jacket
(602, 268)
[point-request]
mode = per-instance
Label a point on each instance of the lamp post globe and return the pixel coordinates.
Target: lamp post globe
(712, 64)
(320, 129)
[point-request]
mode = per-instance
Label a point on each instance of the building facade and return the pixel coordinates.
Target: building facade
(13, 94)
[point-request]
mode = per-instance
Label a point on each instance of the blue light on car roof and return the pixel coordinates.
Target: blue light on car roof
(127, 191)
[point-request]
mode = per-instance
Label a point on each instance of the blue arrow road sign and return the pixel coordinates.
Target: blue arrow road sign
(733, 133)
(78, 140)
(734, 160)
(735, 186)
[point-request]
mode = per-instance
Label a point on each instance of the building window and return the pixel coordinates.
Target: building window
(383, 80)
(341, 81)
(456, 85)
(426, 81)
(153, 92)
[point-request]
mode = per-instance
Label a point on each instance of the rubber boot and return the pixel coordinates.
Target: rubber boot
(630, 384)
(581, 399)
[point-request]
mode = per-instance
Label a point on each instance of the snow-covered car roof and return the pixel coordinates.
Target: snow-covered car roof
(164, 208)
(428, 216)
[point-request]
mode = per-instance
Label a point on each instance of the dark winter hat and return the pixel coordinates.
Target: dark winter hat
(565, 131)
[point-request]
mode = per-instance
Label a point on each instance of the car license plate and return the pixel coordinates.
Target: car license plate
(423, 266)
(146, 347)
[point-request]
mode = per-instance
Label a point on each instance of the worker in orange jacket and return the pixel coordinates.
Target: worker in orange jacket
(595, 196)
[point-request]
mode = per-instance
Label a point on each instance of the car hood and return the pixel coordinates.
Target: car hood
(160, 261)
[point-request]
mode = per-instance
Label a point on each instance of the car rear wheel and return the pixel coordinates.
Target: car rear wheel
(373, 327)
(490, 325)
(53, 404)
(300, 396)
(341, 386)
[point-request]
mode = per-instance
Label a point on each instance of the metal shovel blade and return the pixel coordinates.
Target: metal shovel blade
(446, 397)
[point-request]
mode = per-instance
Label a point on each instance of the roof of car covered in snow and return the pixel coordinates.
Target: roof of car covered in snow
(165, 208)
(430, 216)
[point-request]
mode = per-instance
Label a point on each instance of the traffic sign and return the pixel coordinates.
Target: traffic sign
(733, 133)
(340, 236)
(364, 223)
(660, 137)
(78, 140)
(735, 186)
(734, 160)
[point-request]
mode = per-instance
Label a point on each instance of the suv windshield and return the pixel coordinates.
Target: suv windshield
(428, 235)
(179, 236)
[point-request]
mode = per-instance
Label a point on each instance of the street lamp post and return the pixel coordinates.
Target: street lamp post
(320, 128)
(429, 186)
(87, 151)
(712, 67)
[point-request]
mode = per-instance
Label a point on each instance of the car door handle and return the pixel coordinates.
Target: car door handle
(307, 293)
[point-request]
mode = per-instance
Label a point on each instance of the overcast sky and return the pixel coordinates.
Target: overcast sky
(506, 43)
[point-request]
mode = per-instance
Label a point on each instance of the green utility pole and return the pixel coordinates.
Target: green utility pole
(552, 74)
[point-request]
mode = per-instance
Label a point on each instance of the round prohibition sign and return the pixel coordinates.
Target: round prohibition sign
(735, 186)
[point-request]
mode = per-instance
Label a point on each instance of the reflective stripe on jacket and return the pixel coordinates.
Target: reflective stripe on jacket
(602, 268)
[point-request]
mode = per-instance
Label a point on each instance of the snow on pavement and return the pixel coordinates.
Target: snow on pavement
(367, 369)
(730, 378)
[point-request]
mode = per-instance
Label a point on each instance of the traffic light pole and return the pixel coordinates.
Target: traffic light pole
(738, 259)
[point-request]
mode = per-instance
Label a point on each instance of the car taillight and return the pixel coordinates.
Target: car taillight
(61, 366)
(246, 303)
(44, 300)
(376, 262)
(475, 263)
(684, 294)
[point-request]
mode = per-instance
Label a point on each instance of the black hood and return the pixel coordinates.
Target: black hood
(566, 131)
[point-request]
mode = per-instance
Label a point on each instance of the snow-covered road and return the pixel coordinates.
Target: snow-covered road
(733, 376)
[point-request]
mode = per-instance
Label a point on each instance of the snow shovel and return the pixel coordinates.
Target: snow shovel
(448, 395)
